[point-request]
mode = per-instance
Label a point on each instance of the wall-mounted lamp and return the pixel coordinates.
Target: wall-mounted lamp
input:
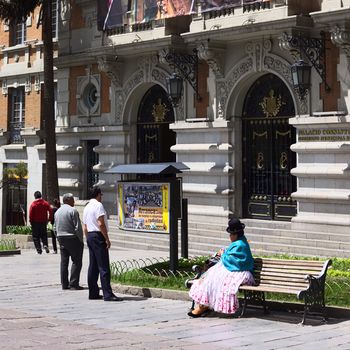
(301, 76)
(314, 50)
(186, 68)
(174, 85)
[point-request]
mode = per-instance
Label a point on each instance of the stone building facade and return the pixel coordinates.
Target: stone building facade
(254, 147)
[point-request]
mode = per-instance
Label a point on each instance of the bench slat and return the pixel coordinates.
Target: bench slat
(290, 262)
(271, 289)
(286, 267)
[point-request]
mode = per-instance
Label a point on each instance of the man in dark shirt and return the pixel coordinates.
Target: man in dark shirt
(40, 213)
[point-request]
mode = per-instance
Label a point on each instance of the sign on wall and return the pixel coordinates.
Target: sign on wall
(116, 13)
(144, 206)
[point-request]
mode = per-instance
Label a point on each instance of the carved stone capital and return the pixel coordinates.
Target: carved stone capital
(212, 54)
(284, 44)
(112, 67)
(341, 38)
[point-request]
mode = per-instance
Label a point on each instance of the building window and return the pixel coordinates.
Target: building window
(89, 99)
(18, 33)
(16, 113)
(54, 19)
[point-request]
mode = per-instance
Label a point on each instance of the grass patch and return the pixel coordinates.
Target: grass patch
(7, 244)
(19, 230)
(156, 274)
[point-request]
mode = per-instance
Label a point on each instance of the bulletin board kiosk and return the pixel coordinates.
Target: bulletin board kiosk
(149, 198)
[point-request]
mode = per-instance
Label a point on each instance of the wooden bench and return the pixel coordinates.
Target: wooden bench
(303, 278)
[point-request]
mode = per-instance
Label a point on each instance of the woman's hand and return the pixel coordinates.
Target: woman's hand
(220, 252)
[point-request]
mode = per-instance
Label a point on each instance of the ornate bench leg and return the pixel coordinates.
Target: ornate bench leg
(306, 310)
(244, 306)
(266, 310)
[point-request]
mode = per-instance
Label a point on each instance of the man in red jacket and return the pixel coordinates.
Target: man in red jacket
(40, 213)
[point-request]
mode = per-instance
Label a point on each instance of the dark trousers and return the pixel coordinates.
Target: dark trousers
(71, 247)
(54, 241)
(99, 265)
(39, 234)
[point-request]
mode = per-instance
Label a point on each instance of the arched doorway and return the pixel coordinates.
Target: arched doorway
(154, 138)
(267, 158)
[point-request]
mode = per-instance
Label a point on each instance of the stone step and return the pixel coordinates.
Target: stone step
(259, 233)
(263, 240)
(249, 223)
(260, 239)
(117, 244)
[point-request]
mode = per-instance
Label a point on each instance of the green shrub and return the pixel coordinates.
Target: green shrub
(19, 230)
(7, 244)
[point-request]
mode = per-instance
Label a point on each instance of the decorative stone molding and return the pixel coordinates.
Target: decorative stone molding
(28, 85)
(69, 149)
(69, 183)
(88, 96)
(341, 38)
(146, 64)
(37, 84)
(103, 166)
(67, 166)
(147, 73)
(277, 64)
(112, 67)
(4, 87)
(284, 44)
(213, 56)
(259, 59)
(110, 149)
(257, 50)
(224, 87)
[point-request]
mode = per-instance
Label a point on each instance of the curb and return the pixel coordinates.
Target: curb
(10, 252)
(332, 311)
(151, 292)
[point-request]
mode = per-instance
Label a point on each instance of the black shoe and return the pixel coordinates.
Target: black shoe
(77, 287)
(65, 287)
(113, 298)
(46, 249)
(99, 297)
(191, 314)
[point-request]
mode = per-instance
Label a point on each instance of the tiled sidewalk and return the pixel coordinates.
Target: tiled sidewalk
(36, 314)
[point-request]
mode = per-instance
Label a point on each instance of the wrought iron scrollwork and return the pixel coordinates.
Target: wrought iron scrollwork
(186, 65)
(313, 49)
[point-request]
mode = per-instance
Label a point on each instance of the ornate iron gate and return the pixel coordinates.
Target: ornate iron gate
(154, 138)
(267, 158)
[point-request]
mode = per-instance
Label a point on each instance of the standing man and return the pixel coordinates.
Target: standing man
(40, 213)
(96, 232)
(70, 236)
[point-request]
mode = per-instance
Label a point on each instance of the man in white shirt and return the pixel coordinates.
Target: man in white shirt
(96, 232)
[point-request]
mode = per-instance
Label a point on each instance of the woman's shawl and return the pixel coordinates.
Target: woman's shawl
(238, 257)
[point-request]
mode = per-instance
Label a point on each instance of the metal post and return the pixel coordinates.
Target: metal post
(173, 242)
(174, 215)
(184, 229)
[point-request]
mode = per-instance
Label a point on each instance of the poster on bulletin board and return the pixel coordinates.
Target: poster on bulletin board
(144, 206)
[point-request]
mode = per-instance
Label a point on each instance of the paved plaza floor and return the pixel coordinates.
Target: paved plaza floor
(36, 314)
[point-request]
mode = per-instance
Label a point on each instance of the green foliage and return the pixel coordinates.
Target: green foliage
(18, 230)
(17, 10)
(7, 244)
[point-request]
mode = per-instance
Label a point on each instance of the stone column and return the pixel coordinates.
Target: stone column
(323, 172)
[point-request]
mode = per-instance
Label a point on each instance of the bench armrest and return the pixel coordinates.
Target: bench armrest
(198, 270)
(316, 283)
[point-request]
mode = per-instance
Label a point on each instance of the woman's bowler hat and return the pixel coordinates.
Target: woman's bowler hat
(235, 226)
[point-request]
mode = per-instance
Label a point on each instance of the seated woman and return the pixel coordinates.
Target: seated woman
(217, 288)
